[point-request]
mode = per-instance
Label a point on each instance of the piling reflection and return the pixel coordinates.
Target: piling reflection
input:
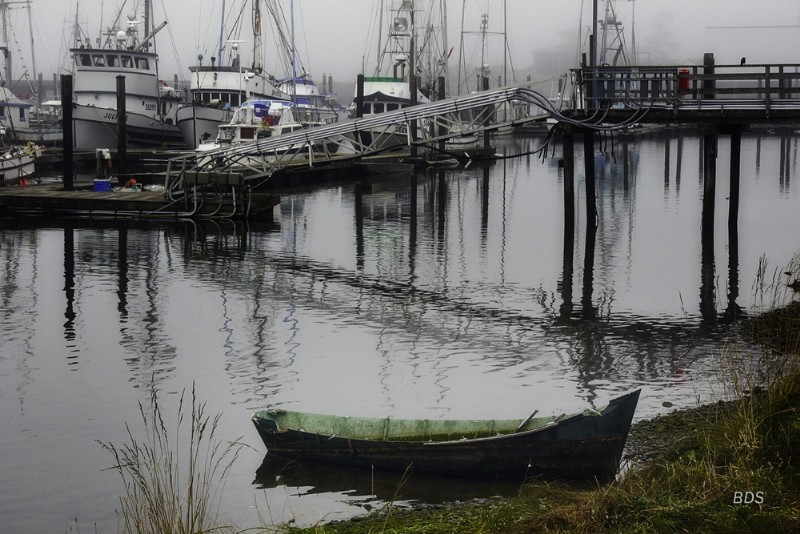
(69, 286)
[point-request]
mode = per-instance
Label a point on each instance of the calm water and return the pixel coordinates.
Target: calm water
(349, 305)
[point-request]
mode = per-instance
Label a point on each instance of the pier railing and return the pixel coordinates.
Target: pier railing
(766, 86)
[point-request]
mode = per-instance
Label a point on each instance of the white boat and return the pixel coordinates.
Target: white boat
(217, 90)
(17, 163)
(259, 119)
(311, 107)
(149, 103)
(256, 119)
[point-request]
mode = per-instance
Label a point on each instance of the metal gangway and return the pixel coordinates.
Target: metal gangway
(424, 125)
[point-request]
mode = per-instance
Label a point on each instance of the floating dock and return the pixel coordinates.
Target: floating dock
(52, 199)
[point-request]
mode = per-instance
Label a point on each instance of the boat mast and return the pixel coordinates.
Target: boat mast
(257, 51)
(505, 44)
(4, 47)
(443, 5)
(461, 48)
(221, 45)
(148, 8)
(294, 59)
(379, 57)
(33, 55)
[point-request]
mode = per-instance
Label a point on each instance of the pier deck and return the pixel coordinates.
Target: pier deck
(52, 198)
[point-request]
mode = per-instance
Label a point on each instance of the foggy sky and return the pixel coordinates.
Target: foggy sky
(335, 36)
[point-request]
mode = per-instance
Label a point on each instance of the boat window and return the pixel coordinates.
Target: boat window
(112, 61)
(127, 62)
(377, 107)
(99, 61)
(22, 114)
(2, 111)
(142, 63)
(235, 100)
(392, 107)
(86, 60)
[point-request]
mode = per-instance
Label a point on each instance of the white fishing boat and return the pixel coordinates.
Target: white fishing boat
(17, 163)
(311, 107)
(257, 119)
(14, 113)
(24, 119)
(261, 119)
(217, 90)
(150, 104)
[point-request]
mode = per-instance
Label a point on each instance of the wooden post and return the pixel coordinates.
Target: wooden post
(412, 85)
(359, 96)
(442, 128)
(708, 68)
(122, 128)
(68, 137)
(733, 311)
(588, 271)
(488, 119)
(568, 156)
(733, 209)
(707, 266)
(569, 180)
(588, 163)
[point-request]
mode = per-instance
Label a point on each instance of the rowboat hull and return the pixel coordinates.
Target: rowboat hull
(580, 446)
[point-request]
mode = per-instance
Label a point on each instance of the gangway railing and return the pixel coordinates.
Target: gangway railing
(421, 125)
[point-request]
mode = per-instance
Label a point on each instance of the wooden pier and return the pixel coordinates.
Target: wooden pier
(53, 199)
(236, 182)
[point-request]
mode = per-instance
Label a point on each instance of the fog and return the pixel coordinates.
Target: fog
(339, 37)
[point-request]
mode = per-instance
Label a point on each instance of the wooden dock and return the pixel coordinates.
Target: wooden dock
(49, 199)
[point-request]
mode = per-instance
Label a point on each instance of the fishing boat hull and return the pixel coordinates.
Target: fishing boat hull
(199, 124)
(581, 446)
(15, 165)
(96, 127)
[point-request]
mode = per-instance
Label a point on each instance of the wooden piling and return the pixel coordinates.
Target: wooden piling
(441, 95)
(588, 162)
(359, 96)
(733, 207)
(487, 120)
(569, 181)
(122, 128)
(708, 69)
(707, 264)
(568, 155)
(68, 140)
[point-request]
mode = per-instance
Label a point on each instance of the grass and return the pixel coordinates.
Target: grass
(164, 492)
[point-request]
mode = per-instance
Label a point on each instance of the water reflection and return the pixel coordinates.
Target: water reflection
(375, 487)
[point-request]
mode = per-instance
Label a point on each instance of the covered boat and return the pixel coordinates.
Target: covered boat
(585, 445)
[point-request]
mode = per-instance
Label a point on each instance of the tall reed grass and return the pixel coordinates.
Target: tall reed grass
(173, 479)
